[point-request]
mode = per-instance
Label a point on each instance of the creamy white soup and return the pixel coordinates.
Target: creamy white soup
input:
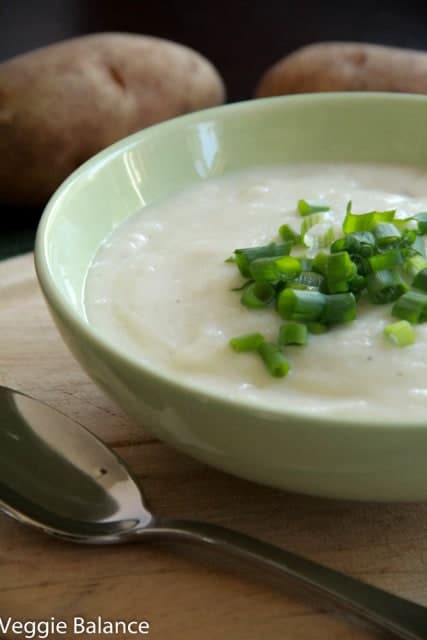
(160, 289)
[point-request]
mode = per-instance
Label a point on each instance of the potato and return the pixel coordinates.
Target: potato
(61, 104)
(339, 66)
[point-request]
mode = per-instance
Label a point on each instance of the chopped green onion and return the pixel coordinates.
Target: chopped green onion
(357, 284)
(405, 224)
(386, 233)
(245, 256)
(409, 236)
(274, 359)
(419, 246)
(311, 221)
(279, 286)
(339, 270)
(420, 280)
(288, 234)
(338, 308)
(319, 237)
(247, 342)
(231, 260)
(264, 270)
(413, 265)
(364, 237)
(315, 293)
(400, 333)
(360, 243)
(308, 280)
(293, 333)
(412, 306)
(320, 263)
(307, 207)
(421, 219)
(300, 304)
(386, 260)
(362, 265)
(273, 269)
(317, 328)
(366, 221)
(306, 263)
(288, 267)
(385, 286)
(342, 244)
(257, 295)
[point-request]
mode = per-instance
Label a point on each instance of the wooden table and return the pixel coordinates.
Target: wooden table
(181, 595)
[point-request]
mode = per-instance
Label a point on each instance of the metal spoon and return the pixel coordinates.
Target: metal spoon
(56, 476)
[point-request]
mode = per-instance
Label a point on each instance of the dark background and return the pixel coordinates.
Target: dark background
(242, 39)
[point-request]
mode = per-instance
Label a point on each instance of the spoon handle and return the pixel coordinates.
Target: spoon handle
(405, 619)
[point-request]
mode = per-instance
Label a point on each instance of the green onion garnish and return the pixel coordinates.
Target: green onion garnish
(366, 221)
(357, 284)
(307, 207)
(264, 270)
(320, 263)
(412, 306)
(288, 267)
(413, 265)
(310, 221)
(386, 233)
(273, 269)
(319, 238)
(340, 269)
(288, 234)
(400, 333)
(257, 295)
(420, 280)
(357, 243)
(378, 257)
(306, 263)
(419, 246)
(317, 328)
(387, 260)
(245, 256)
(366, 241)
(300, 305)
(307, 280)
(338, 308)
(247, 342)
(274, 359)
(293, 333)
(421, 219)
(385, 286)
(409, 236)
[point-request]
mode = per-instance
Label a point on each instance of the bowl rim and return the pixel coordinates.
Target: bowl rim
(80, 324)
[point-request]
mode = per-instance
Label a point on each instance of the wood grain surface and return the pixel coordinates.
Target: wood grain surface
(182, 594)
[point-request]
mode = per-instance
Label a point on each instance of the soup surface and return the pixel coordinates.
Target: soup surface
(159, 288)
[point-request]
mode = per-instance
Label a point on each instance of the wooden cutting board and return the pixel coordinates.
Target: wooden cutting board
(177, 591)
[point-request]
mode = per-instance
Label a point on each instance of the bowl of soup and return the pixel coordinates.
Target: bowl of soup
(155, 259)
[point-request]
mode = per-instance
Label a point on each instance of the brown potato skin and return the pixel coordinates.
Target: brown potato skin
(61, 104)
(346, 66)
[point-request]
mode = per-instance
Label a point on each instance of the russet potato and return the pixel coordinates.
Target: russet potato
(346, 66)
(61, 104)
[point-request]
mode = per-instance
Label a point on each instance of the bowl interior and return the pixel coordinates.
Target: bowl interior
(158, 161)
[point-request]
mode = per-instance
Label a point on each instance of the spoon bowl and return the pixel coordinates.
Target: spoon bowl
(58, 477)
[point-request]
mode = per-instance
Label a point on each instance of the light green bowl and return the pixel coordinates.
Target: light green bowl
(288, 450)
